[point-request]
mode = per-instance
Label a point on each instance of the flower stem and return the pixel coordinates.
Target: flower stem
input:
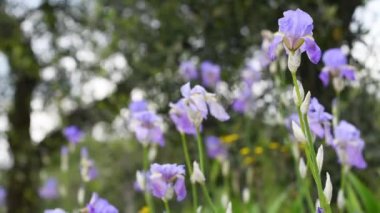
(310, 152)
(200, 151)
(166, 204)
(208, 198)
(147, 196)
(190, 171)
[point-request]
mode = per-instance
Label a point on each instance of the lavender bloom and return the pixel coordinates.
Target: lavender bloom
(242, 102)
(138, 106)
(215, 148)
(336, 66)
(88, 169)
(349, 145)
(319, 120)
(100, 205)
(49, 190)
(57, 210)
(188, 70)
(167, 179)
(199, 103)
(73, 134)
(296, 34)
(210, 73)
(148, 128)
(250, 75)
(179, 116)
(3, 195)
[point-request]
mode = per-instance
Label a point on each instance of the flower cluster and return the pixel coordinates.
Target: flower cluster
(210, 72)
(73, 134)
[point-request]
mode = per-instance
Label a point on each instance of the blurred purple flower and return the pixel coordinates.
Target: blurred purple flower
(88, 169)
(250, 75)
(57, 210)
(100, 205)
(241, 104)
(336, 66)
(296, 34)
(188, 70)
(148, 128)
(210, 74)
(3, 195)
(215, 148)
(318, 118)
(167, 179)
(199, 103)
(179, 116)
(349, 145)
(138, 106)
(49, 190)
(73, 134)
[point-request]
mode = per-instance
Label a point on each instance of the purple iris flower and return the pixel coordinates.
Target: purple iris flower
(88, 169)
(73, 134)
(100, 205)
(167, 179)
(179, 116)
(57, 210)
(296, 34)
(199, 103)
(349, 145)
(215, 148)
(210, 74)
(49, 190)
(138, 106)
(336, 66)
(148, 128)
(319, 120)
(188, 70)
(3, 195)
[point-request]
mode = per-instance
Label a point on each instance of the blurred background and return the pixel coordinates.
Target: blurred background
(81, 62)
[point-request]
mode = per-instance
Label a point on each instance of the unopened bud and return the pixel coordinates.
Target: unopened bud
(224, 200)
(328, 188)
(246, 195)
(305, 104)
(297, 132)
(225, 168)
(152, 153)
(341, 200)
(229, 207)
(140, 179)
(197, 176)
(320, 158)
(294, 61)
(81, 194)
(338, 84)
(298, 101)
(302, 168)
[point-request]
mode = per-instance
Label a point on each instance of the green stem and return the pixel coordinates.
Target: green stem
(166, 204)
(200, 151)
(208, 198)
(335, 109)
(190, 171)
(310, 153)
(147, 196)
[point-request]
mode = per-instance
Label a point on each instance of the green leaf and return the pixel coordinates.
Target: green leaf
(276, 204)
(367, 198)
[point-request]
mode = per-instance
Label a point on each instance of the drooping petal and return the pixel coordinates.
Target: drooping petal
(324, 76)
(158, 186)
(348, 73)
(217, 110)
(277, 39)
(180, 188)
(312, 49)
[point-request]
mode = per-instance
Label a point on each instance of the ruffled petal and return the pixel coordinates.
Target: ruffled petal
(217, 110)
(348, 73)
(312, 49)
(185, 90)
(158, 186)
